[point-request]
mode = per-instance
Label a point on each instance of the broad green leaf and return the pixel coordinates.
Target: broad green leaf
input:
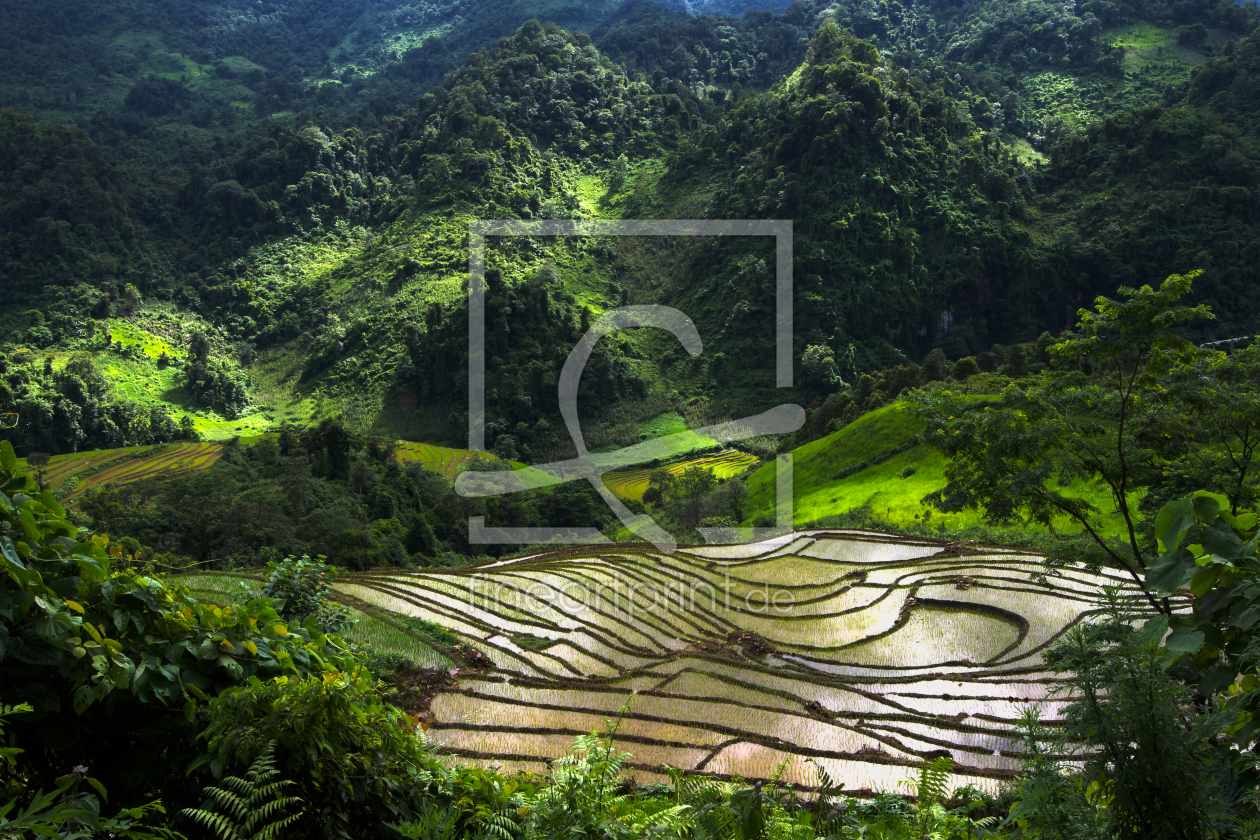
(10, 553)
(1171, 571)
(1245, 522)
(1207, 506)
(92, 569)
(100, 788)
(1185, 640)
(29, 647)
(1172, 522)
(30, 529)
(51, 503)
(83, 698)
(1216, 679)
(1204, 580)
(1223, 544)
(1153, 630)
(8, 458)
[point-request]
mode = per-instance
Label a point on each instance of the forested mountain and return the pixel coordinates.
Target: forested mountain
(294, 182)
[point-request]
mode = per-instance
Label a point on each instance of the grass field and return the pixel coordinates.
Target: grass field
(730, 659)
(631, 484)
(669, 423)
(875, 462)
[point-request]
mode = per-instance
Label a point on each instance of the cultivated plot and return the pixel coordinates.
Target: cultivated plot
(438, 459)
(632, 484)
(866, 653)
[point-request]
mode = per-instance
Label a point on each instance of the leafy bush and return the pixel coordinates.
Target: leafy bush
(1149, 763)
(302, 586)
(431, 630)
(106, 656)
(355, 758)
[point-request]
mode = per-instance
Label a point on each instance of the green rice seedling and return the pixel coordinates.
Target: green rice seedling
(389, 638)
(431, 630)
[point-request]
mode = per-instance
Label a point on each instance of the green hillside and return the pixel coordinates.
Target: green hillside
(876, 464)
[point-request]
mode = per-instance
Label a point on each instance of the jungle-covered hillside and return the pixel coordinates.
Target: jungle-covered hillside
(237, 217)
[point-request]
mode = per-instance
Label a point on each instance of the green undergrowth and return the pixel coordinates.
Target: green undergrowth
(1062, 102)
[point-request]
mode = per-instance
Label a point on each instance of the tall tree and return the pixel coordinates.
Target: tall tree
(1129, 406)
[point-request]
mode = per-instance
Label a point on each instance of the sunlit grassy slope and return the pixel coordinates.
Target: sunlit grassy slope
(876, 462)
(135, 373)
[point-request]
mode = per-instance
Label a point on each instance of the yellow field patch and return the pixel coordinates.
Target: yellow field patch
(631, 484)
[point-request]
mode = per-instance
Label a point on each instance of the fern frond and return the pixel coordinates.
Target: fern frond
(697, 790)
(272, 831)
(499, 826)
(217, 823)
(247, 806)
(828, 791)
(933, 783)
(227, 801)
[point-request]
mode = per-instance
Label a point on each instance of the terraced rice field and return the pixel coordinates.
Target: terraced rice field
(631, 484)
(439, 459)
(173, 461)
(61, 467)
(864, 652)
